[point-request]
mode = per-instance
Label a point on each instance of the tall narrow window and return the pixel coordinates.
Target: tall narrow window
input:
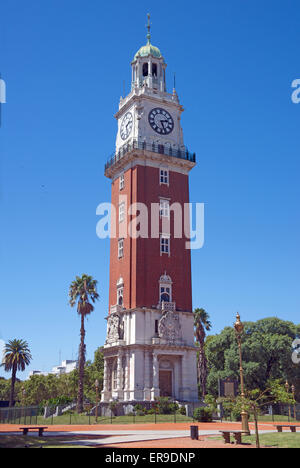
(164, 244)
(145, 69)
(120, 291)
(122, 182)
(121, 212)
(164, 176)
(121, 248)
(164, 208)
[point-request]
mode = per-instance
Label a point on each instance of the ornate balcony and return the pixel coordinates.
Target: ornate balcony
(167, 306)
(168, 150)
(116, 309)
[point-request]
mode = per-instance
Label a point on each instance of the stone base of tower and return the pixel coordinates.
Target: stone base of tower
(148, 354)
(143, 373)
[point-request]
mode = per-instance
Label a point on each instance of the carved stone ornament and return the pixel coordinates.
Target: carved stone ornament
(165, 364)
(169, 327)
(114, 328)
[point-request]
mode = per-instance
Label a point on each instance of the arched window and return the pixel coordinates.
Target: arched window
(165, 288)
(120, 296)
(154, 70)
(145, 69)
(120, 291)
(165, 294)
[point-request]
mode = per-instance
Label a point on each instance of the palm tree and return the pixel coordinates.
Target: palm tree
(82, 291)
(202, 324)
(16, 357)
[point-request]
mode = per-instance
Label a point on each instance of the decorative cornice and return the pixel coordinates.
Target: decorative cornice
(149, 309)
(164, 348)
(141, 157)
(158, 99)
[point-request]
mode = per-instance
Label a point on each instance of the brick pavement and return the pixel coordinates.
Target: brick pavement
(217, 426)
(183, 442)
(174, 442)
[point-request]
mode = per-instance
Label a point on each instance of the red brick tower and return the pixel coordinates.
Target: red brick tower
(149, 349)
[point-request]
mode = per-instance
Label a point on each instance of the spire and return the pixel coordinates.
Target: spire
(148, 27)
(148, 49)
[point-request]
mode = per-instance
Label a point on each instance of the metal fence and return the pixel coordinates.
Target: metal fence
(58, 416)
(178, 152)
(20, 415)
(274, 413)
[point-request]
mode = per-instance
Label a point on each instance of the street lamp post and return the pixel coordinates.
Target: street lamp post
(23, 402)
(293, 392)
(239, 329)
(287, 387)
(97, 398)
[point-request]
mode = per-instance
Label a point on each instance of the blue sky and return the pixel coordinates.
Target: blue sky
(64, 63)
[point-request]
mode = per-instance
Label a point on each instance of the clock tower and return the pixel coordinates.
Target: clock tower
(149, 349)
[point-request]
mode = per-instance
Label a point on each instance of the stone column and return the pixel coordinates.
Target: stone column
(147, 369)
(185, 391)
(155, 370)
(127, 376)
(105, 392)
(150, 73)
(105, 376)
(138, 73)
(119, 375)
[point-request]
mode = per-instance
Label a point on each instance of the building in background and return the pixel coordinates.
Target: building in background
(66, 367)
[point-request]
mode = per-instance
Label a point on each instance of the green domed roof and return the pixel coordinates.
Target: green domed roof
(148, 49)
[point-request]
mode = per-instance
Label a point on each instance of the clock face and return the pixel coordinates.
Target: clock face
(161, 121)
(126, 125)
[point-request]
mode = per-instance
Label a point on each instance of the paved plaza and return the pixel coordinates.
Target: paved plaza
(144, 435)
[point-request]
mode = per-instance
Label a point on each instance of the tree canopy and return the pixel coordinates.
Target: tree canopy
(266, 351)
(39, 389)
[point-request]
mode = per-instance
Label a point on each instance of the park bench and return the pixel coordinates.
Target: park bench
(30, 428)
(236, 434)
(291, 426)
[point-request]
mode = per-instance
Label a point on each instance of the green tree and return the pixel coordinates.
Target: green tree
(255, 400)
(266, 351)
(94, 371)
(40, 389)
(16, 357)
(82, 291)
(4, 388)
(201, 324)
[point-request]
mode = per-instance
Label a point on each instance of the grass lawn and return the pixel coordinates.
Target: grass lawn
(274, 439)
(20, 441)
(275, 417)
(80, 419)
(280, 440)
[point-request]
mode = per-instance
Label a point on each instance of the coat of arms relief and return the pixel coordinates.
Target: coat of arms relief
(169, 327)
(115, 329)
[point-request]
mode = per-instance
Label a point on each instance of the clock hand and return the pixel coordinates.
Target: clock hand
(163, 122)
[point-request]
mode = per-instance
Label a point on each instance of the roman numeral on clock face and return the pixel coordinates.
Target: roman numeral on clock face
(126, 125)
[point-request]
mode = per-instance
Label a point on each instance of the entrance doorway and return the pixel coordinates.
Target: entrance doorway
(165, 383)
